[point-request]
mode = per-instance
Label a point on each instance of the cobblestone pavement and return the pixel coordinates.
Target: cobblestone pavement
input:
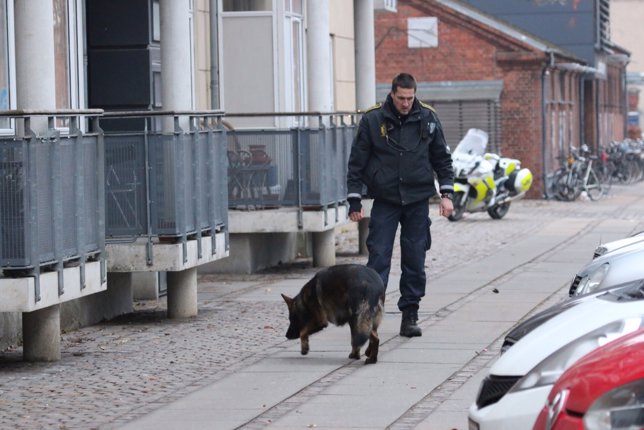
(113, 372)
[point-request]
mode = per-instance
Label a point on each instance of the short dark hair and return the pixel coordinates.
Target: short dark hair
(403, 80)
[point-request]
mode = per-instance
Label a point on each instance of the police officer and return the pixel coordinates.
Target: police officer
(398, 147)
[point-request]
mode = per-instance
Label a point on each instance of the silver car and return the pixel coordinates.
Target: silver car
(616, 245)
(613, 263)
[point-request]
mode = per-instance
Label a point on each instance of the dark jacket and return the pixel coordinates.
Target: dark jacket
(396, 160)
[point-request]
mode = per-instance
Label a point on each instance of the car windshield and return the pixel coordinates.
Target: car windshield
(473, 143)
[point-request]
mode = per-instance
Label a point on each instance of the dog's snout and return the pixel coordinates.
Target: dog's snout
(292, 334)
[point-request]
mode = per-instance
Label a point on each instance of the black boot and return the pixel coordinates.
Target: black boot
(408, 327)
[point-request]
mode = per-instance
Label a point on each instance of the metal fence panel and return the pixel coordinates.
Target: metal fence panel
(212, 165)
(294, 167)
(92, 217)
(13, 203)
(41, 180)
(125, 185)
(49, 211)
(69, 176)
(218, 169)
(166, 183)
(260, 168)
(183, 192)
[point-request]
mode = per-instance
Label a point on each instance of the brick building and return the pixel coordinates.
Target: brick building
(479, 71)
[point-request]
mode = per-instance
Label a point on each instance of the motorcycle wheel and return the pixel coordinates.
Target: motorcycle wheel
(459, 210)
(498, 211)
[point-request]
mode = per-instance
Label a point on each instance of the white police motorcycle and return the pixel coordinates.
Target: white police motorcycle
(485, 181)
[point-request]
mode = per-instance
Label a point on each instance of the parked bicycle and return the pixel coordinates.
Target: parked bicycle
(579, 175)
(626, 160)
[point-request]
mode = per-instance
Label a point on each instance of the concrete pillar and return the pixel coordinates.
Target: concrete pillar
(320, 85)
(145, 285)
(182, 293)
(177, 91)
(34, 29)
(365, 53)
(41, 334)
(35, 89)
(324, 248)
(118, 299)
(176, 56)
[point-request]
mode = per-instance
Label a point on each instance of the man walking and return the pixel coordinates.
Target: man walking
(398, 147)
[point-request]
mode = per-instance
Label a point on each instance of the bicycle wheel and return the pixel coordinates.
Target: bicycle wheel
(593, 186)
(553, 185)
(569, 186)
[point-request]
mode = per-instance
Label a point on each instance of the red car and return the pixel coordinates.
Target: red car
(603, 390)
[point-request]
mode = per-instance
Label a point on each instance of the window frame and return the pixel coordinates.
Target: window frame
(9, 29)
(76, 60)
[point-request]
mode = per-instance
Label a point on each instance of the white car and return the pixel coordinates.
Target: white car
(518, 383)
(608, 247)
(621, 262)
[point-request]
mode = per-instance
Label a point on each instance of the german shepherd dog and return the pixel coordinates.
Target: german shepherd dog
(346, 293)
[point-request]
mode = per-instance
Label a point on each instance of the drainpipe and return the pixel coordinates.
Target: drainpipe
(625, 87)
(597, 113)
(582, 110)
(214, 54)
(544, 72)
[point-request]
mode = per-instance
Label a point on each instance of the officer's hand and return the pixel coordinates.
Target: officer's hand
(446, 207)
(356, 216)
(356, 213)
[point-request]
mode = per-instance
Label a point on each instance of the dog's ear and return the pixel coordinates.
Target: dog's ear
(289, 301)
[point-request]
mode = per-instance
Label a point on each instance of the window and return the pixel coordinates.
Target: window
(67, 21)
(156, 21)
(68, 54)
(247, 5)
(296, 78)
(61, 55)
(293, 6)
(422, 32)
(294, 39)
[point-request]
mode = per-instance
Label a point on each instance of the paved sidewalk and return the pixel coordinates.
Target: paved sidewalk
(231, 366)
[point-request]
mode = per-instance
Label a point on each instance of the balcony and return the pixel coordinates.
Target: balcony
(52, 240)
(286, 180)
(166, 204)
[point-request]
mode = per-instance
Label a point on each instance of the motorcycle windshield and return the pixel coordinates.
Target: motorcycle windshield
(473, 143)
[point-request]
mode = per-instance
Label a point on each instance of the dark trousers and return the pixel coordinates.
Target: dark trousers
(415, 240)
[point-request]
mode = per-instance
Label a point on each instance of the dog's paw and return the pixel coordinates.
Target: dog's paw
(354, 356)
(371, 360)
(304, 345)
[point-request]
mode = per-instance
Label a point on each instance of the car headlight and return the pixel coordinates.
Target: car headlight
(593, 280)
(549, 370)
(620, 408)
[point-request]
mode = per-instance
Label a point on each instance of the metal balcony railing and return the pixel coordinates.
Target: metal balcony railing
(165, 176)
(51, 193)
(303, 166)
